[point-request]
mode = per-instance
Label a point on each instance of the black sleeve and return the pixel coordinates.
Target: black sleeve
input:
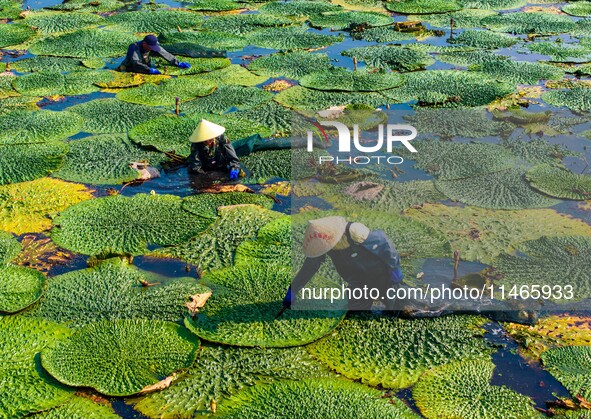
(194, 161)
(230, 155)
(167, 56)
(307, 271)
(380, 245)
(134, 60)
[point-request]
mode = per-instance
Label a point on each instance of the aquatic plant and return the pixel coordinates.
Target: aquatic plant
(525, 23)
(391, 57)
(468, 58)
(463, 19)
(41, 63)
(228, 98)
(387, 34)
(422, 7)
(88, 6)
(49, 83)
(294, 64)
(214, 5)
(559, 182)
(301, 98)
(20, 287)
(155, 20)
(341, 79)
(485, 39)
(232, 75)
(273, 244)
(198, 65)
(272, 115)
(78, 408)
(26, 127)
(291, 38)
(492, 4)
(103, 226)
(120, 357)
(580, 9)
(21, 163)
(562, 52)
(9, 247)
(343, 20)
(15, 34)
(571, 366)
(576, 99)
(58, 22)
(212, 38)
(244, 23)
(450, 123)
(165, 93)
(298, 9)
(206, 204)
(519, 72)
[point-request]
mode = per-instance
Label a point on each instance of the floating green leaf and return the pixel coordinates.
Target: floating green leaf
(103, 226)
(25, 127)
(298, 9)
(387, 34)
(79, 408)
(392, 57)
(421, 7)
(559, 182)
(537, 151)
(48, 83)
(220, 372)
(492, 4)
(485, 39)
(462, 389)
(10, 9)
(89, 5)
(18, 103)
(393, 353)
(14, 34)
(21, 163)
(244, 23)
(84, 43)
(165, 93)
(208, 39)
(226, 99)
(155, 20)
(34, 64)
(480, 234)
(113, 290)
(463, 19)
(198, 65)
(234, 74)
(291, 64)
(468, 58)
(19, 287)
(525, 22)
(339, 21)
(562, 52)
(271, 115)
(112, 115)
(25, 388)
(244, 304)
(9, 247)
(519, 72)
(341, 79)
(214, 5)
(206, 204)
(273, 244)
(6, 89)
(25, 206)
(571, 365)
(580, 9)
(576, 99)
(121, 357)
(56, 22)
(291, 38)
(300, 98)
(285, 164)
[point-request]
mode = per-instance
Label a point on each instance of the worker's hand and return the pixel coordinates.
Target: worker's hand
(288, 298)
(234, 174)
(154, 71)
(396, 276)
(184, 65)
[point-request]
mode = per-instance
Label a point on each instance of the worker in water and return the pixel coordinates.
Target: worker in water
(138, 57)
(211, 150)
(363, 258)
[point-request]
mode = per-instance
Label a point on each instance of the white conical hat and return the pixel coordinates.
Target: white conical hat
(322, 235)
(206, 131)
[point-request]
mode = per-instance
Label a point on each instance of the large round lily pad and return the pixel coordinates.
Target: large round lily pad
(122, 225)
(14, 34)
(462, 390)
(339, 78)
(301, 98)
(422, 6)
(114, 290)
(391, 57)
(520, 72)
(206, 205)
(25, 388)
(165, 93)
(493, 4)
(299, 9)
(291, 64)
(232, 75)
(221, 372)
(112, 115)
(244, 304)
(41, 63)
(463, 19)
(327, 398)
(576, 99)
(9, 247)
(79, 408)
(48, 83)
(57, 22)
(343, 20)
(210, 39)
(226, 99)
(19, 287)
(524, 22)
(105, 160)
(241, 24)
(291, 38)
(273, 244)
(559, 182)
(25, 206)
(21, 163)
(155, 20)
(485, 39)
(24, 127)
(571, 365)
(394, 353)
(580, 9)
(121, 357)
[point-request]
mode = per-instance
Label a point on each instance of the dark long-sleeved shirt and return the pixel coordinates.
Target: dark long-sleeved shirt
(138, 60)
(221, 156)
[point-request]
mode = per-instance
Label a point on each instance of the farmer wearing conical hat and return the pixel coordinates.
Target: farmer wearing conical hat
(360, 256)
(212, 151)
(138, 55)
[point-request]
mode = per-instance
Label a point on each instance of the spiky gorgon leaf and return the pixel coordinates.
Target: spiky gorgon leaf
(9, 247)
(112, 115)
(25, 127)
(105, 160)
(391, 56)
(19, 287)
(276, 118)
(121, 357)
(206, 204)
(14, 34)
(298, 9)
(48, 83)
(6, 89)
(492, 4)
(581, 9)
(481, 235)
(300, 98)
(550, 260)
(18, 103)
(220, 372)
(226, 99)
(232, 75)
(24, 207)
(244, 23)
(346, 19)
(165, 93)
(84, 43)
(55, 22)
(468, 58)
(291, 64)
(79, 408)
(422, 6)
(394, 353)
(559, 182)
(571, 365)
(121, 80)
(208, 39)
(450, 123)
(273, 244)
(286, 164)
(463, 19)
(291, 38)
(21, 163)
(244, 304)
(339, 78)
(327, 398)
(215, 247)
(576, 99)
(33, 64)
(450, 88)
(25, 388)
(384, 34)
(113, 290)
(155, 20)
(462, 390)
(506, 189)
(105, 226)
(561, 51)
(10, 9)
(537, 151)
(519, 72)
(524, 23)
(198, 65)
(214, 5)
(485, 39)
(89, 5)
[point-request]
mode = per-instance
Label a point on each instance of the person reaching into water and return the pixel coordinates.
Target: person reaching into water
(138, 55)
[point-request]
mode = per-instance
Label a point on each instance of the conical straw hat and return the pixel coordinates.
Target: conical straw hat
(206, 131)
(322, 235)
